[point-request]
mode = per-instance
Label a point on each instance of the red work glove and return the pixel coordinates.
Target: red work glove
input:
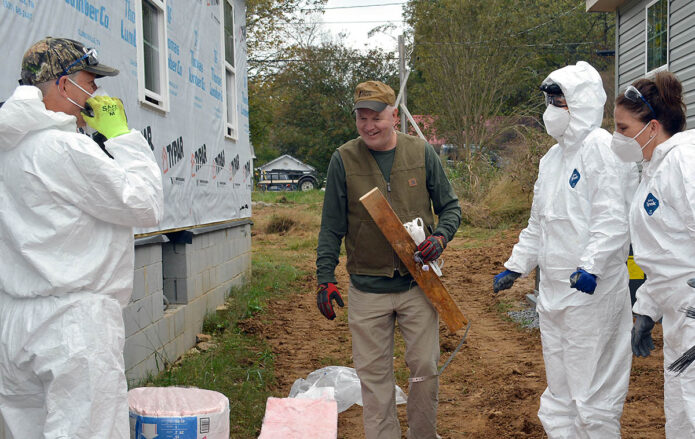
(325, 294)
(431, 248)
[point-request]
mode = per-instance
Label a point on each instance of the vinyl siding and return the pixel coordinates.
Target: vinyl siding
(630, 47)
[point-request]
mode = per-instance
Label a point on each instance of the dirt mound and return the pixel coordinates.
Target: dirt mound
(492, 387)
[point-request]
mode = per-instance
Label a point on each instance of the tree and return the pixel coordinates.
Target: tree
(467, 69)
(311, 97)
(481, 61)
(268, 25)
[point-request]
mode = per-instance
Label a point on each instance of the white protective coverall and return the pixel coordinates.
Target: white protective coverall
(579, 218)
(662, 226)
(66, 240)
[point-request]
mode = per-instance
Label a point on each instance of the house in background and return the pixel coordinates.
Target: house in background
(651, 36)
(426, 124)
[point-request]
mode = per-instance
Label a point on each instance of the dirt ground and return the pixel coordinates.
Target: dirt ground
(492, 387)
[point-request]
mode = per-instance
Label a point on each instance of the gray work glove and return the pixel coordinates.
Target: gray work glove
(642, 343)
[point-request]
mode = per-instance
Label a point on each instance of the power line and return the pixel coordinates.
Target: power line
(365, 21)
(486, 44)
(355, 7)
(341, 22)
(548, 47)
(549, 21)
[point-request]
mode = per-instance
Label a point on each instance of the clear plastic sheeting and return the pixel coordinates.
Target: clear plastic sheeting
(340, 381)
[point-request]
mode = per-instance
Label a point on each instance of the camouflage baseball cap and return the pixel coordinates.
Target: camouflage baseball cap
(374, 95)
(52, 58)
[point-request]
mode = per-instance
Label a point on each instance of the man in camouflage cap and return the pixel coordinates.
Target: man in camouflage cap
(66, 234)
(64, 70)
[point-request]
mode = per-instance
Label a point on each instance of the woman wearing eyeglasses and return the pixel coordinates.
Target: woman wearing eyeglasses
(649, 124)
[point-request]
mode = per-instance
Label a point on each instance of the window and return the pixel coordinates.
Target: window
(229, 69)
(153, 78)
(657, 35)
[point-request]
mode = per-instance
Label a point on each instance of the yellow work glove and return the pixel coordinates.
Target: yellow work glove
(109, 116)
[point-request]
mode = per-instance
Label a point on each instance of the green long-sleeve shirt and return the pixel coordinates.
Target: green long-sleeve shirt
(334, 218)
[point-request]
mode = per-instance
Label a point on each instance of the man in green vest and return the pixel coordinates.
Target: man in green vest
(408, 172)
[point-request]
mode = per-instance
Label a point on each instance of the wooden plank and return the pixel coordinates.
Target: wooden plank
(404, 246)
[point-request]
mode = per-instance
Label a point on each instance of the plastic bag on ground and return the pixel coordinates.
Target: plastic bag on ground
(342, 380)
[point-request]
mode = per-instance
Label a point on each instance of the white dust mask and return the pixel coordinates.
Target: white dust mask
(83, 90)
(556, 121)
(628, 149)
(98, 92)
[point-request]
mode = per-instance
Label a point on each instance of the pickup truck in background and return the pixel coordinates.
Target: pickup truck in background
(287, 180)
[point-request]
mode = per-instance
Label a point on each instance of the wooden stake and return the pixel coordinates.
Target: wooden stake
(404, 246)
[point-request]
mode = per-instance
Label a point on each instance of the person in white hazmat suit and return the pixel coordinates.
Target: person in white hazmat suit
(649, 122)
(578, 235)
(66, 240)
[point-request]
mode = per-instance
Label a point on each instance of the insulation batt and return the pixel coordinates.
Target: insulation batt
(292, 418)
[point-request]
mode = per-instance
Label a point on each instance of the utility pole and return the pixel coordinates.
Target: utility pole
(401, 65)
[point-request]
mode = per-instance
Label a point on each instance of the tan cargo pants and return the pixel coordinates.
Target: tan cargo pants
(372, 318)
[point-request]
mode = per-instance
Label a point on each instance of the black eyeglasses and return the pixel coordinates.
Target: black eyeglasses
(557, 100)
(632, 94)
(90, 56)
(553, 95)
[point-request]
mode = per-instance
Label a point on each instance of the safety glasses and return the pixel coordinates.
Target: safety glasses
(634, 95)
(90, 56)
(557, 100)
(553, 94)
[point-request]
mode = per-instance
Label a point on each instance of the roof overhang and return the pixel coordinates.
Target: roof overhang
(603, 5)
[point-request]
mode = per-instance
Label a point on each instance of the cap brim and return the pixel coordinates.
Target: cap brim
(101, 70)
(372, 105)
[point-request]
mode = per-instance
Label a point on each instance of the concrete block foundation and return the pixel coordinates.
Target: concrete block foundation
(175, 286)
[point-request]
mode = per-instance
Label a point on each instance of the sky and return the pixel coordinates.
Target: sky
(358, 17)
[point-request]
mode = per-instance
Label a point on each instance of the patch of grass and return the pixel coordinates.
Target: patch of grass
(279, 224)
(329, 361)
(475, 237)
(240, 365)
(303, 244)
(215, 323)
(503, 306)
(289, 197)
(508, 204)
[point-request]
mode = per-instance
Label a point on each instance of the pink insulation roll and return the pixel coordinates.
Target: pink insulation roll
(178, 413)
(292, 418)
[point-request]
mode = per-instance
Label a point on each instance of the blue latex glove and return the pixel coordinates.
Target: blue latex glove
(583, 281)
(504, 280)
(642, 343)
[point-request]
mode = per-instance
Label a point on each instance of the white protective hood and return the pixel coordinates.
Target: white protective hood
(67, 208)
(583, 89)
(24, 113)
